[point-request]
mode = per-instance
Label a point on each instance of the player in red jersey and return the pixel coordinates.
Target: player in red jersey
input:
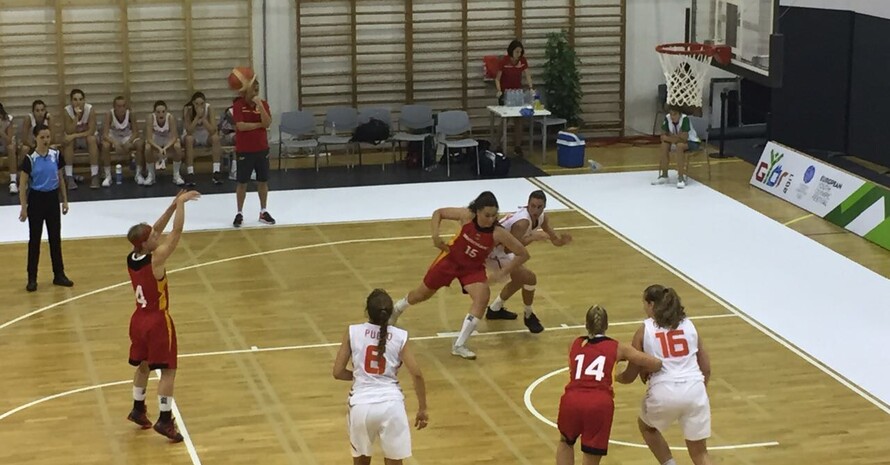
(463, 258)
(152, 334)
(587, 406)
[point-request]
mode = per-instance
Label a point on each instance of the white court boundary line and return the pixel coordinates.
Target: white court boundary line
(527, 397)
(241, 257)
(186, 438)
(812, 361)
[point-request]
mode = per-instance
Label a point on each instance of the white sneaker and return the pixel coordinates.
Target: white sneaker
(161, 164)
(681, 183)
(463, 352)
(140, 180)
(149, 180)
(177, 179)
(394, 318)
(13, 188)
(106, 182)
(661, 180)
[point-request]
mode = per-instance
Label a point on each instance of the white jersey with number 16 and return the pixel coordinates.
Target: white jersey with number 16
(677, 349)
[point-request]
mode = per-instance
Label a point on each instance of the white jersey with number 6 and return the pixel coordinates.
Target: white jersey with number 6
(677, 349)
(375, 379)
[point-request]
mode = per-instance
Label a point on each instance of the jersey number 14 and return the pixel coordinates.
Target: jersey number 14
(596, 368)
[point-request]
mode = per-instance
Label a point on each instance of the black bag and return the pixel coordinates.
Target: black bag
(416, 149)
(493, 165)
(372, 132)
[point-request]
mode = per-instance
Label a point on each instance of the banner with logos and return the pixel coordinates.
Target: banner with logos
(855, 204)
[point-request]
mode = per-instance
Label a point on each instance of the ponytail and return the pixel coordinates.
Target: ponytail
(379, 307)
(669, 311)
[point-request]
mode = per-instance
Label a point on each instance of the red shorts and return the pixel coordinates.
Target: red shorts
(444, 270)
(152, 339)
(587, 414)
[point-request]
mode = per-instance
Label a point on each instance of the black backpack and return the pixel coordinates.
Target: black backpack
(415, 149)
(493, 165)
(372, 132)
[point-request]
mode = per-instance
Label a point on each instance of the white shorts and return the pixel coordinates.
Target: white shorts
(683, 401)
(498, 260)
(161, 141)
(120, 140)
(202, 137)
(385, 420)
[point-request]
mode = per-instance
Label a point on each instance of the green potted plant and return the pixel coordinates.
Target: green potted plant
(562, 81)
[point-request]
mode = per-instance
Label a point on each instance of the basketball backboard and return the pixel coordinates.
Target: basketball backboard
(748, 27)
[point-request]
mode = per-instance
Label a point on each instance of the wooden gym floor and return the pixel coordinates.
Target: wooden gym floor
(279, 404)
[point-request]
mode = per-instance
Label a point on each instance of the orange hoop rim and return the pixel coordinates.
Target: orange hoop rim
(686, 48)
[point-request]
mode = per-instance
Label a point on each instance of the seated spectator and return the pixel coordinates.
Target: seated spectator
(80, 134)
(160, 136)
(200, 131)
(121, 134)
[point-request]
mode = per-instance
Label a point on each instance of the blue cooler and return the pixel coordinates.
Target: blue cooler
(569, 150)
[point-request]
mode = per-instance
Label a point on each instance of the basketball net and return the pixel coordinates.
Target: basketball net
(685, 69)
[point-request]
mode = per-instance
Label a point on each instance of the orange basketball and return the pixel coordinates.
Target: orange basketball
(240, 78)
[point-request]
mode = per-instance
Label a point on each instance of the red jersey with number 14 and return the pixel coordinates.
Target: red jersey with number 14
(591, 362)
(151, 293)
(470, 247)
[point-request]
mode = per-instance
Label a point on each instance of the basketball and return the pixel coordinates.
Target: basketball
(240, 78)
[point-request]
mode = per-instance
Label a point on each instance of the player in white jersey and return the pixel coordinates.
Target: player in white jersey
(376, 402)
(8, 147)
(38, 115)
(528, 224)
(161, 136)
(678, 392)
(80, 134)
(121, 134)
(200, 131)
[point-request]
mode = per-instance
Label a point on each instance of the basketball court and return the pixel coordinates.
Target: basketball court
(790, 307)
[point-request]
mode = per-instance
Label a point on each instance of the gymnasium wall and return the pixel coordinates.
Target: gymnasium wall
(147, 50)
(391, 52)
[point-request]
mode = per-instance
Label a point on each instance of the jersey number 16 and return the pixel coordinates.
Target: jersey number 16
(673, 343)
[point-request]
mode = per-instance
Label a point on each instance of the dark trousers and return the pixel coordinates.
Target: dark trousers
(44, 207)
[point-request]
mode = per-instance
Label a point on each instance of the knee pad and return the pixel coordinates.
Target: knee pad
(529, 287)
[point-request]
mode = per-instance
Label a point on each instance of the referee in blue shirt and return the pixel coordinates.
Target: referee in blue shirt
(42, 185)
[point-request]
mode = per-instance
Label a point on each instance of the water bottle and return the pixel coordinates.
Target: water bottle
(133, 163)
(333, 128)
(538, 105)
(118, 174)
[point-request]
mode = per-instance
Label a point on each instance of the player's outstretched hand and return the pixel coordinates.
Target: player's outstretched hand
(190, 195)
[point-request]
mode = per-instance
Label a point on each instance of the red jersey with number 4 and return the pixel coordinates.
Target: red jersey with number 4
(151, 294)
(591, 362)
(471, 246)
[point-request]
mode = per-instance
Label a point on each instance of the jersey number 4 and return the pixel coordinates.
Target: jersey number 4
(595, 369)
(673, 343)
(374, 363)
(140, 297)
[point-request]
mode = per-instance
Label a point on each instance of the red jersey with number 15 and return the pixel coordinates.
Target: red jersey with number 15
(470, 247)
(151, 293)
(591, 362)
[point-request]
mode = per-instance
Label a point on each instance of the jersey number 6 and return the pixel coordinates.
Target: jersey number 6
(374, 363)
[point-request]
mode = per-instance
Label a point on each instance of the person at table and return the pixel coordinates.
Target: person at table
(513, 67)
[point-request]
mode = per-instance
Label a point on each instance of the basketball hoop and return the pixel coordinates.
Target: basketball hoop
(685, 67)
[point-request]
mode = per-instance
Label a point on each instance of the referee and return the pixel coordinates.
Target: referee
(42, 185)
